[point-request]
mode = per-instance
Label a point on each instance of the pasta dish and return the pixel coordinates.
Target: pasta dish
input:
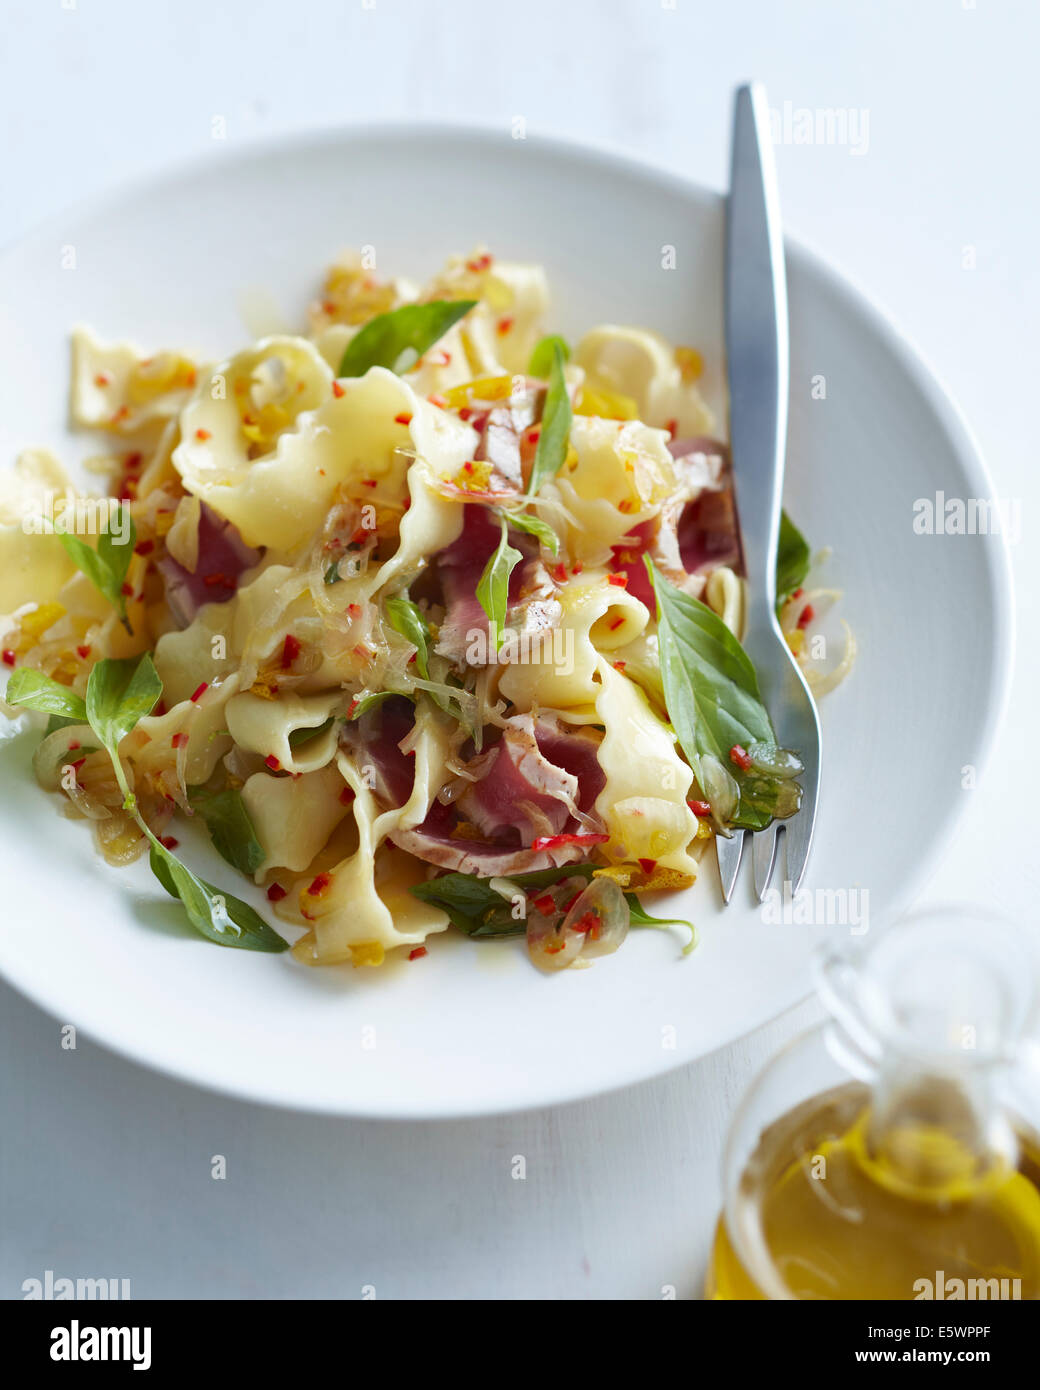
(429, 617)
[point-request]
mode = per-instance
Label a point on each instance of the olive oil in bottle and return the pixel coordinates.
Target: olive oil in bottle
(913, 1178)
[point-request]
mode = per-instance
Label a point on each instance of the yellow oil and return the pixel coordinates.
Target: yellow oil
(835, 1207)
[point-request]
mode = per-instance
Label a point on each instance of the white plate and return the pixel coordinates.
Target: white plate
(473, 1028)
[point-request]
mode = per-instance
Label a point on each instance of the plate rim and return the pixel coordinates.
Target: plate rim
(907, 353)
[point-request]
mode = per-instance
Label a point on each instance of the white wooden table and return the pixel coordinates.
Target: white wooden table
(931, 205)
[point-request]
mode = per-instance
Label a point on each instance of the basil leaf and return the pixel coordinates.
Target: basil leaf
(215, 915)
(229, 827)
(60, 721)
(639, 917)
(106, 566)
(306, 734)
(544, 354)
(711, 694)
(792, 559)
(408, 619)
(556, 427)
(534, 526)
(332, 574)
(37, 691)
(119, 693)
(411, 329)
(476, 909)
(493, 587)
(368, 699)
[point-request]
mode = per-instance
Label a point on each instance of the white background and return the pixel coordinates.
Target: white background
(105, 1169)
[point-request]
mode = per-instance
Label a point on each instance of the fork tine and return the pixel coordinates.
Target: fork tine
(798, 834)
(729, 852)
(763, 851)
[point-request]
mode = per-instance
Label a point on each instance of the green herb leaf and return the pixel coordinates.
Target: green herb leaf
(483, 914)
(534, 526)
(332, 574)
(712, 696)
(493, 588)
(119, 693)
(475, 908)
(106, 566)
(408, 619)
(229, 826)
(305, 733)
(368, 699)
(60, 721)
(215, 915)
(544, 354)
(37, 691)
(792, 559)
(639, 917)
(556, 427)
(412, 329)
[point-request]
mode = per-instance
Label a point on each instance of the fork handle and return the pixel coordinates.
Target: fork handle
(757, 353)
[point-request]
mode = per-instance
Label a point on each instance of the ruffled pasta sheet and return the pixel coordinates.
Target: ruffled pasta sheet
(367, 909)
(641, 365)
(621, 475)
(644, 802)
(116, 387)
(279, 499)
(33, 567)
(597, 617)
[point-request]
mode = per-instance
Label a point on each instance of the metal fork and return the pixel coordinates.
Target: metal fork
(757, 357)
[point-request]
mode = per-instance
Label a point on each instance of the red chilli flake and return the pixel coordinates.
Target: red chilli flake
(102, 379)
(276, 893)
(319, 885)
(404, 418)
(338, 390)
(418, 953)
(354, 609)
(203, 435)
(179, 740)
(9, 657)
(168, 842)
(479, 263)
(504, 324)
(438, 400)
(126, 589)
(198, 694)
(545, 904)
(587, 922)
(620, 580)
(554, 841)
(797, 593)
(619, 666)
(273, 763)
(73, 746)
(290, 650)
(699, 808)
(558, 572)
(739, 758)
(672, 426)
(616, 624)
(144, 547)
(369, 482)
(346, 796)
(806, 616)
(647, 865)
(79, 762)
